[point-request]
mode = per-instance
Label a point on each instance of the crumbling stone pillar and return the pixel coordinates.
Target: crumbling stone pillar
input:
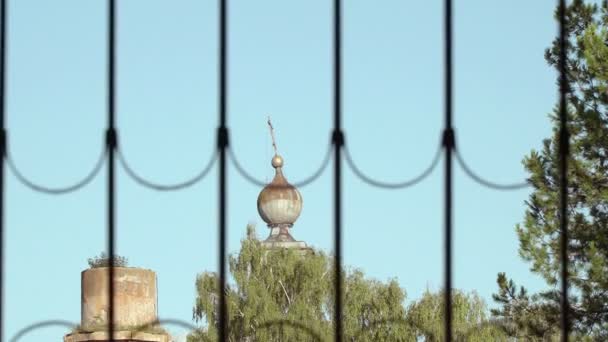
(135, 306)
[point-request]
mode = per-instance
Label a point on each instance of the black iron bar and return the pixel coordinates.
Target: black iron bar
(111, 145)
(448, 143)
(338, 140)
(564, 147)
(3, 53)
(222, 145)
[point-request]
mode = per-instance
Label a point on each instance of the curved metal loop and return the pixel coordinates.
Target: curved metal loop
(479, 327)
(314, 334)
(496, 186)
(265, 325)
(242, 171)
(56, 190)
(388, 185)
(70, 325)
(319, 171)
(372, 324)
(192, 328)
(43, 324)
(170, 321)
(251, 179)
(165, 187)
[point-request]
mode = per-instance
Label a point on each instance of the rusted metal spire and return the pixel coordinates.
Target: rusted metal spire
(280, 205)
(274, 143)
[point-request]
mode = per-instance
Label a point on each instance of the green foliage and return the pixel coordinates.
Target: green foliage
(103, 260)
(289, 286)
(535, 317)
(531, 318)
(470, 322)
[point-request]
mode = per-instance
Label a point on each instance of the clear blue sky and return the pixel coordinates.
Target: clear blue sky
(280, 64)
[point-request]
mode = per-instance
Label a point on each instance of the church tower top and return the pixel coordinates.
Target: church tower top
(279, 204)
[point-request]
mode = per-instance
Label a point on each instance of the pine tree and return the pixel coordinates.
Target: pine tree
(536, 316)
(294, 288)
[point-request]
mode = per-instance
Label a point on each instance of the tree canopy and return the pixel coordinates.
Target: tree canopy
(287, 295)
(536, 316)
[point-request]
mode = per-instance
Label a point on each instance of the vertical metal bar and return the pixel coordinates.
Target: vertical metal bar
(448, 143)
(222, 145)
(3, 78)
(564, 150)
(338, 140)
(111, 144)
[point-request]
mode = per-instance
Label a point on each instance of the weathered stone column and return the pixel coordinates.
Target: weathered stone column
(135, 306)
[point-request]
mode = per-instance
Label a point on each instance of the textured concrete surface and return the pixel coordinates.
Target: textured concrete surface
(135, 301)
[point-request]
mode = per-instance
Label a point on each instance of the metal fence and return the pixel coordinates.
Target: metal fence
(447, 147)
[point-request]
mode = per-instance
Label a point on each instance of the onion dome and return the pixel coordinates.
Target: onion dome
(279, 203)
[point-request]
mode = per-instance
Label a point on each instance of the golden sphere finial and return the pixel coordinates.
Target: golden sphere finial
(277, 161)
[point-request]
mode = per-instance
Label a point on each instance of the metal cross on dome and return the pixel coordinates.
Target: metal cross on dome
(274, 143)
